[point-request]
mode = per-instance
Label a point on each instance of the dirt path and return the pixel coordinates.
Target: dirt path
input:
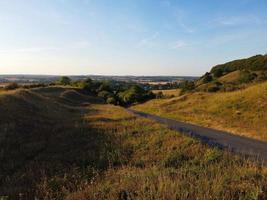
(252, 148)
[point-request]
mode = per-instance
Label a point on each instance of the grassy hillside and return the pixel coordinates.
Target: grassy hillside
(241, 112)
(57, 143)
(234, 75)
(254, 63)
(168, 93)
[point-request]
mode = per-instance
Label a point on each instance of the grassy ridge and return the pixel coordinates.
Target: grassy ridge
(64, 144)
(241, 112)
(231, 76)
(43, 136)
(254, 63)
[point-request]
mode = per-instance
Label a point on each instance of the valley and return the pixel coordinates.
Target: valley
(77, 147)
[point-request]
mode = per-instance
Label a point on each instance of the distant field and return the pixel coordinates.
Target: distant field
(172, 92)
(57, 143)
(2, 85)
(241, 112)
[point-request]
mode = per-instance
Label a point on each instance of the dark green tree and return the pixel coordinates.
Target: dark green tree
(207, 78)
(64, 80)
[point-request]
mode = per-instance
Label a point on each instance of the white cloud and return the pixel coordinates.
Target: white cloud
(238, 20)
(180, 16)
(148, 41)
(179, 44)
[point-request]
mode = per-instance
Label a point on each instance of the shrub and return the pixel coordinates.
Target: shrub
(11, 86)
(88, 85)
(207, 78)
(218, 73)
(159, 95)
(187, 86)
(37, 85)
(105, 86)
(111, 100)
(247, 77)
(135, 94)
(213, 88)
(262, 76)
(104, 94)
(64, 80)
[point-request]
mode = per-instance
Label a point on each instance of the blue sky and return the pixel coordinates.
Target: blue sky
(128, 37)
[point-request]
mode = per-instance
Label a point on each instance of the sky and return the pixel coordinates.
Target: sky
(128, 37)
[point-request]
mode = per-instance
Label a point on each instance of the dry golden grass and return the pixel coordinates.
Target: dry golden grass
(241, 112)
(162, 164)
(231, 77)
(171, 92)
(61, 144)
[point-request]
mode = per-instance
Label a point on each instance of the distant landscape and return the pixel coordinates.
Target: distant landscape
(133, 100)
(82, 143)
(231, 97)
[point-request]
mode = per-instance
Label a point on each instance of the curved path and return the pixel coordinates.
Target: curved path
(254, 149)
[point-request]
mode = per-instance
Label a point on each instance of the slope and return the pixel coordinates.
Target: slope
(58, 143)
(241, 112)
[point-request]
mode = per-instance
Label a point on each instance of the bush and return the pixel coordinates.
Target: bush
(247, 77)
(105, 86)
(262, 76)
(64, 80)
(218, 73)
(135, 94)
(111, 100)
(87, 85)
(104, 94)
(187, 86)
(213, 88)
(37, 85)
(207, 78)
(11, 86)
(116, 92)
(159, 95)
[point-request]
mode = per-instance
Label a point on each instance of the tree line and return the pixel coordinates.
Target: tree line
(113, 92)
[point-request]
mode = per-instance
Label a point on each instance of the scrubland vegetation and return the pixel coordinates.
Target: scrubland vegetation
(76, 147)
(112, 92)
(231, 76)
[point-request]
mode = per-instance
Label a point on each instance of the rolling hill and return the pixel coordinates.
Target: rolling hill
(59, 143)
(234, 75)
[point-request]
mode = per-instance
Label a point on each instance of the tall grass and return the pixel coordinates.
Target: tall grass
(162, 164)
(60, 148)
